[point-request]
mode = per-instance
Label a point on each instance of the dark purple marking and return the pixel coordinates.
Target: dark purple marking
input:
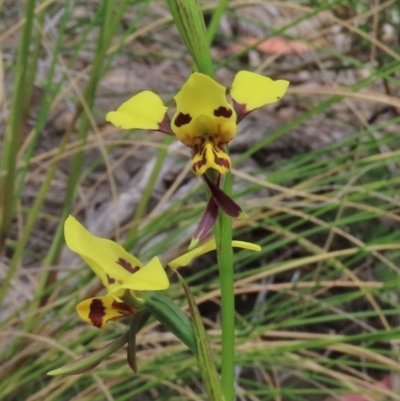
(165, 125)
(223, 112)
(122, 308)
(241, 111)
(182, 119)
(196, 166)
(110, 280)
(207, 221)
(221, 161)
(127, 266)
(224, 202)
(97, 311)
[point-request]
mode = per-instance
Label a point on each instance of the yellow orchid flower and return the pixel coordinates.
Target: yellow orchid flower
(118, 270)
(121, 273)
(204, 119)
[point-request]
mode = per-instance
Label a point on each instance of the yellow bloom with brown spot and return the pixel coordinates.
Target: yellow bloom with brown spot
(204, 119)
(121, 273)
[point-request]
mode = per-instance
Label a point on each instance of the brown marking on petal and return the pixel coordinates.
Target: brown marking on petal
(110, 280)
(241, 111)
(165, 125)
(221, 161)
(207, 221)
(196, 166)
(122, 308)
(182, 119)
(224, 202)
(97, 311)
(127, 266)
(223, 112)
(278, 97)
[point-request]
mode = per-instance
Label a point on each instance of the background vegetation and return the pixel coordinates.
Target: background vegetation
(318, 174)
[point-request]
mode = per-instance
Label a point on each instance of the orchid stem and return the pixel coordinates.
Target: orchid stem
(223, 234)
(189, 20)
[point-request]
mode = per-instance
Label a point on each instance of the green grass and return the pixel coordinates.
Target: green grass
(317, 308)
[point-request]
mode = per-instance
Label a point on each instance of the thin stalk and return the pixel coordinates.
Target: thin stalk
(216, 18)
(188, 17)
(193, 26)
(31, 73)
(13, 134)
(12, 141)
(223, 236)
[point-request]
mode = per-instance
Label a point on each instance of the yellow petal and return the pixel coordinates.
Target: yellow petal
(151, 277)
(210, 156)
(146, 110)
(246, 245)
(186, 258)
(253, 90)
(109, 261)
(99, 310)
(202, 97)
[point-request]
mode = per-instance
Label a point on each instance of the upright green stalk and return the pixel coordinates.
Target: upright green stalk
(223, 236)
(190, 23)
(13, 134)
(189, 20)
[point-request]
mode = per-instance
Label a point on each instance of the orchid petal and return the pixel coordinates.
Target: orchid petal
(210, 156)
(200, 95)
(224, 201)
(108, 260)
(246, 245)
(145, 110)
(151, 277)
(206, 223)
(250, 91)
(202, 109)
(186, 258)
(99, 310)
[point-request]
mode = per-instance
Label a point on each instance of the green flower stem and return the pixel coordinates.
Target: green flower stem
(223, 236)
(188, 17)
(190, 23)
(137, 323)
